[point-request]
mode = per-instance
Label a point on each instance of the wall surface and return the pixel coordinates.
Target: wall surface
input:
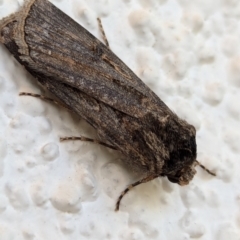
(188, 52)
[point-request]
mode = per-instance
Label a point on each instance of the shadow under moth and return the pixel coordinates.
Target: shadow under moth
(88, 78)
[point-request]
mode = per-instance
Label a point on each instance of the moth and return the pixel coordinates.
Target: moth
(88, 78)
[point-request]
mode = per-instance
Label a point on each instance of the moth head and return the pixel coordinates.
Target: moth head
(183, 176)
(180, 167)
(187, 153)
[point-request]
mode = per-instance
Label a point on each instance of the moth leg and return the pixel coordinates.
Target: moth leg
(103, 33)
(81, 138)
(204, 168)
(44, 99)
(62, 105)
(144, 180)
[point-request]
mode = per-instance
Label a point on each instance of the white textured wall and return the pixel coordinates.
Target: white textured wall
(188, 52)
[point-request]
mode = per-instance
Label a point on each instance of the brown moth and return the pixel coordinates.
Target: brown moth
(88, 78)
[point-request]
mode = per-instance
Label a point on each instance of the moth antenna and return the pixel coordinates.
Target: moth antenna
(204, 168)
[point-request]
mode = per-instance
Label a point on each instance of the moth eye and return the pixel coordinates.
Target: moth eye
(184, 152)
(173, 179)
